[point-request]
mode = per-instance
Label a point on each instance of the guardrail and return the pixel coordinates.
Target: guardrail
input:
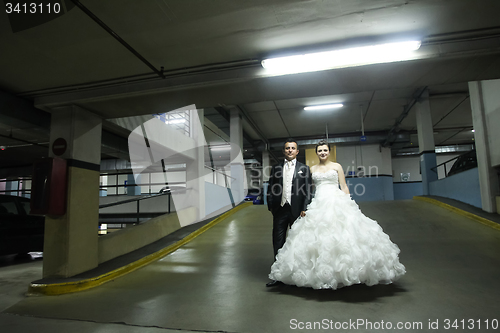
(463, 156)
(137, 213)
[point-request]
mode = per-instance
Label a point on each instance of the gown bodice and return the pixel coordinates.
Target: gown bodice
(331, 177)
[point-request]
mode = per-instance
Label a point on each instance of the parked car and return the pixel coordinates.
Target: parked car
(19, 232)
(464, 162)
(259, 200)
(255, 195)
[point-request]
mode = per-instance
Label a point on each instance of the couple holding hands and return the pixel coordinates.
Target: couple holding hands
(330, 243)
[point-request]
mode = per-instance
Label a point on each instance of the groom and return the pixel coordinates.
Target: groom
(288, 194)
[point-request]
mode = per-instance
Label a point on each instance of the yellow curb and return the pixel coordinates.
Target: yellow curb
(474, 217)
(75, 286)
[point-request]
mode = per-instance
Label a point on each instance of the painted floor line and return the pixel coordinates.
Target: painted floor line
(472, 216)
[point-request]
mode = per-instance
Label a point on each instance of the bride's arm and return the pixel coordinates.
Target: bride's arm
(343, 185)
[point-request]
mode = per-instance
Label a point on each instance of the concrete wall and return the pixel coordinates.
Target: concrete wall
(412, 165)
(216, 199)
(463, 187)
(407, 190)
(376, 164)
(492, 113)
(127, 240)
(371, 188)
(409, 165)
(372, 158)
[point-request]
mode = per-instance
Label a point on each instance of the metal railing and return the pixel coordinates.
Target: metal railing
(466, 155)
(20, 191)
(215, 171)
(117, 184)
(137, 213)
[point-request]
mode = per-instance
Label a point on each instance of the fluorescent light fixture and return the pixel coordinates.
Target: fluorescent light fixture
(176, 121)
(222, 147)
(358, 56)
(323, 107)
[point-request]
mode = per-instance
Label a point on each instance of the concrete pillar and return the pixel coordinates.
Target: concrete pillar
(426, 145)
(485, 105)
(237, 165)
(195, 180)
(70, 245)
(266, 166)
(266, 171)
(131, 182)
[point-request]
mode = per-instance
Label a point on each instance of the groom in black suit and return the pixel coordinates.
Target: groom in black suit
(288, 194)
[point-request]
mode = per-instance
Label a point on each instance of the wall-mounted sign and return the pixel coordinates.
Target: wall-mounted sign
(59, 146)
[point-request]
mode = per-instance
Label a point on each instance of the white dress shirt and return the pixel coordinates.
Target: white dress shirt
(288, 171)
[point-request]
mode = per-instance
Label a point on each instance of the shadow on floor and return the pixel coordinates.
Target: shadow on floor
(353, 294)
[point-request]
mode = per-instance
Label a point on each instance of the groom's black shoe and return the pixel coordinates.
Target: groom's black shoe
(273, 283)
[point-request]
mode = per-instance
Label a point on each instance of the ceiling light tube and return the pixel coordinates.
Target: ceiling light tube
(222, 147)
(358, 56)
(323, 107)
(176, 121)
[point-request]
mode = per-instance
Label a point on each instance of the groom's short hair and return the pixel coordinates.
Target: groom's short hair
(290, 140)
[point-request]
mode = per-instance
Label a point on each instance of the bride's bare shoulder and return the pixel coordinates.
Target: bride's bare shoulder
(336, 166)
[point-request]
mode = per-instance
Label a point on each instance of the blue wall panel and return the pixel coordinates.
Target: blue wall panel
(371, 188)
(463, 187)
(407, 190)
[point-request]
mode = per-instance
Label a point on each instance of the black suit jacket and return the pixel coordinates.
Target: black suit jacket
(301, 188)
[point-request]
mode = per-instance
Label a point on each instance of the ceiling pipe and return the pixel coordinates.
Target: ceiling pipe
(462, 36)
(346, 138)
(257, 130)
(403, 115)
(118, 38)
(451, 149)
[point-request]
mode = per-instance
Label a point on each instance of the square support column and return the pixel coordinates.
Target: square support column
(237, 166)
(485, 105)
(266, 172)
(195, 169)
(426, 144)
(70, 245)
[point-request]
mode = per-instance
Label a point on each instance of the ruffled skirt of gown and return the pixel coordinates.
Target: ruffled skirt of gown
(336, 245)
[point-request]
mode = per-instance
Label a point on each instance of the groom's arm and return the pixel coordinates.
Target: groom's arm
(308, 185)
(269, 195)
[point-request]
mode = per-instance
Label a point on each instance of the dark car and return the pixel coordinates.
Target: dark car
(259, 200)
(19, 232)
(464, 162)
(254, 195)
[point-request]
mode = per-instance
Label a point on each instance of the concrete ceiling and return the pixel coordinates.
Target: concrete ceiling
(211, 53)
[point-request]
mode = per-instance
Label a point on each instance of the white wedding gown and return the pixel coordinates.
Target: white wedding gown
(335, 244)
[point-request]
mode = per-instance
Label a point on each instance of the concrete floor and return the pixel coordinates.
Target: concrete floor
(217, 283)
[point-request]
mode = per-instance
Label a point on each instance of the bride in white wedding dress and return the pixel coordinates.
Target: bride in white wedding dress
(335, 244)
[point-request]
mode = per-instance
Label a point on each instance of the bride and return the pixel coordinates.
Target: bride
(335, 245)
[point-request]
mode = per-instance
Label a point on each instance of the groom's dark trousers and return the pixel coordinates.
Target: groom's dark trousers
(284, 216)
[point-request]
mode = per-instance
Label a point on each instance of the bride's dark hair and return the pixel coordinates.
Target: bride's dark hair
(322, 143)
